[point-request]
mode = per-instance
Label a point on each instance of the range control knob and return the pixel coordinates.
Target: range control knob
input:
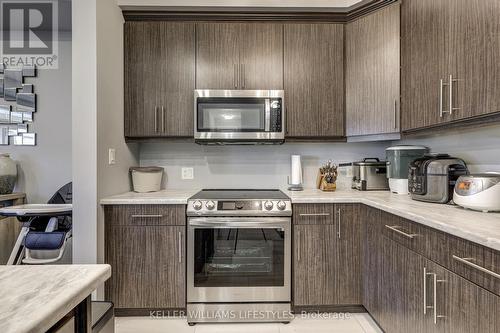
(281, 205)
(210, 205)
(197, 205)
(268, 205)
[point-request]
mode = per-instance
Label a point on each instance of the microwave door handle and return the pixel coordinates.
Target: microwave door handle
(267, 115)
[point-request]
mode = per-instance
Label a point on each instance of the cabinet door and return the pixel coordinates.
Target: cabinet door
(313, 265)
(132, 284)
(372, 262)
(372, 73)
(476, 41)
(467, 307)
(217, 51)
(426, 60)
(143, 58)
(261, 56)
(348, 254)
(405, 279)
(168, 248)
(177, 78)
(314, 80)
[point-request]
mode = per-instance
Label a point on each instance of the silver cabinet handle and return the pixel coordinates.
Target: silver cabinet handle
(147, 215)
(467, 261)
(156, 119)
(242, 76)
(395, 229)
(426, 274)
(235, 75)
(163, 119)
(435, 315)
(314, 214)
(298, 246)
(340, 221)
(395, 114)
(180, 247)
(441, 88)
(451, 95)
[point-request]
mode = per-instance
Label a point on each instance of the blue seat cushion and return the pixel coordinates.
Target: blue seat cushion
(38, 240)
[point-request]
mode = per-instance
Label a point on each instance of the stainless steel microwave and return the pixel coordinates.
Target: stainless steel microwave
(239, 116)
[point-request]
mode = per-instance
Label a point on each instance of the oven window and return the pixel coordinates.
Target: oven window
(231, 115)
(239, 257)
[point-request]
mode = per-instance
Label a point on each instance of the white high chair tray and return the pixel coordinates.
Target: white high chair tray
(37, 209)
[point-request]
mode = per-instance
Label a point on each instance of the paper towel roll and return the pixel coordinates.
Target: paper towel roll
(296, 171)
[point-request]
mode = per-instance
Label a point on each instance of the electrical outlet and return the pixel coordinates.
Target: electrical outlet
(187, 173)
(111, 156)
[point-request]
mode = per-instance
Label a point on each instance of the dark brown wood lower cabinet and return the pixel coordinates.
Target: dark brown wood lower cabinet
(327, 255)
(348, 254)
(147, 256)
(314, 265)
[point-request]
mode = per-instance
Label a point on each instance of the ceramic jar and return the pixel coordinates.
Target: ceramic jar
(8, 174)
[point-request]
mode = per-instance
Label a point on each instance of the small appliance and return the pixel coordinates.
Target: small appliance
(478, 192)
(239, 256)
(239, 116)
(432, 177)
(370, 174)
(398, 160)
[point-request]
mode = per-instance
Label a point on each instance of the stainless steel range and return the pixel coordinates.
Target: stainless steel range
(239, 256)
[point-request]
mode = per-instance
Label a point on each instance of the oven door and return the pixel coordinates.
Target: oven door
(238, 259)
(229, 115)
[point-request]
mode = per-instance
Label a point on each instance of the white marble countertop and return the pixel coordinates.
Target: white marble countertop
(34, 298)
(164, 197)
(478, 227)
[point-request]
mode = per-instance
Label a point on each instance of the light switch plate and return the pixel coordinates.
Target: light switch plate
(112, 156)
(187, 173)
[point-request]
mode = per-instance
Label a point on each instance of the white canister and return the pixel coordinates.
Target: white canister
(146, 179)
(8, 174)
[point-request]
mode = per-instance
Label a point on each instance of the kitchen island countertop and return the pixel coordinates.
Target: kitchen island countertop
(34, 298)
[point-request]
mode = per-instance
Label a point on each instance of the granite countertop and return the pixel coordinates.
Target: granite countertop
(34, 298)
(478, 227)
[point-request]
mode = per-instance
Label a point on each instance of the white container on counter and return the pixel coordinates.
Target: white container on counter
(146, 179)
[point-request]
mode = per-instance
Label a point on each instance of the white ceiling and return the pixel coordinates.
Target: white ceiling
(240, 3)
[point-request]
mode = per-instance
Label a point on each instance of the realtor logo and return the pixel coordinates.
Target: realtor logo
(29, 33)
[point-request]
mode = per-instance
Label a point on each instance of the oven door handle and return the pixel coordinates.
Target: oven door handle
(218, 222)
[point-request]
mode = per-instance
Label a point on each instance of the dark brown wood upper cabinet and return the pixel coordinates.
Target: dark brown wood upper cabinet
(476, 39)
(425, 62)
(314, 80)
(450, 70)
(372, 73)
(239, 56)
(218, 55)
(159, 79)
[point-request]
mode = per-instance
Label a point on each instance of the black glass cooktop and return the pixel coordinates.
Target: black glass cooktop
(239, 194)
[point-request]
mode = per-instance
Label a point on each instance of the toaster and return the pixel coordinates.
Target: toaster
(432, 177)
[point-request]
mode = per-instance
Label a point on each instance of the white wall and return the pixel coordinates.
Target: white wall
(111, 179)
(44, 168)
(97, 122)
(84, 132)
(248, 166)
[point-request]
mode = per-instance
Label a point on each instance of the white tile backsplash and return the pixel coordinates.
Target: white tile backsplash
(248, 166)
(269, 166)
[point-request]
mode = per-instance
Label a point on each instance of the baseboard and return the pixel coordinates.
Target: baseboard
(355, 308)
